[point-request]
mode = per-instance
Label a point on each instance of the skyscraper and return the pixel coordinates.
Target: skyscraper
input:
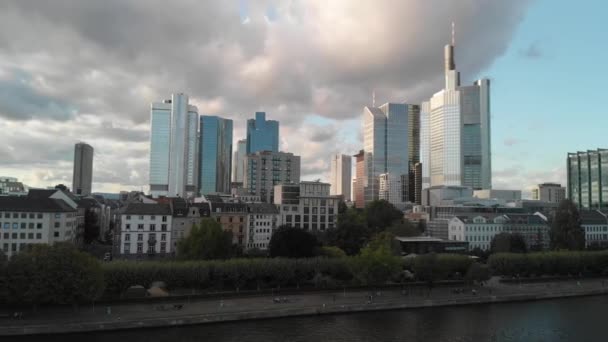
(588, 178)
(262, 134)
(238, 162)
(265, 169)
(386, 151)
(341, 175)
(455, 132)
(359, 180)
(173, 147)
(82, 177)
(215, 155)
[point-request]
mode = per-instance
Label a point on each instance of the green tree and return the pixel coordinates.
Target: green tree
(403, 228)
(478, 273)
(206, 241)
(508, 243)
(351, 233)
(381, 214)
(57, 274)
(332, 252)
(376, 264)
(566, 230)
(91, 226)
(292, 243)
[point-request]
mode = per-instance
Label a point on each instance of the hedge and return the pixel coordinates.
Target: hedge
(556, 263)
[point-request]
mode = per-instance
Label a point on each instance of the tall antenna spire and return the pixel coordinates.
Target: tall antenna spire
(453, 35)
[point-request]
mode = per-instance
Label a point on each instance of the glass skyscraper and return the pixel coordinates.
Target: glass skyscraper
(455, 133)
(215, 155)
(238, 162)
(173, 147)
(588, 178)
(262, 134)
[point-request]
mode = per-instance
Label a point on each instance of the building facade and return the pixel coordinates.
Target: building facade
(262, 134)
(215, 155)
(359, 180)
(11, 186)
(82, 177)
(588, 178)
(25, 221)
(238, 162)
(307, 205)
(455, 133)
(341, 166)
(263, 220)
(173, 147)
(145, 231)
(549, 192)
(265, 169)
(595, 224)
(233, 218)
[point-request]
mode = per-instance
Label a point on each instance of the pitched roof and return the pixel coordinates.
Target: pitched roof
(592, 217)
(40, 193)
(26, 204)
(262, 208)
(147, 209)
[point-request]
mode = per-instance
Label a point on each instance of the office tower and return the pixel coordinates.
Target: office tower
(262, 134)
(341, 175)
(588, 178)
(413, 143)
(455, 132)
(238, 162)
(265, 169)
(549, 192)
(173, 148)
(82, 177)
(359, 180)
(386, 151)
(417, 183)
(215, 155)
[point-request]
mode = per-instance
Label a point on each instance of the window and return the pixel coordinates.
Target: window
(23, 215)
(140, 247)
(152, 217)
(128, 217)
(163, 227)
(58, 215)
(126, 248)
(38, 225)
(306, 210)
(56, 234)
(314, 210)
(164, 218)
(30, 225)
(127, 237)
(39, 215)
(15, 225)
(23, 225)
(153, 227)
(56, 224)
(230, 219)
(7, 225)
(163, 247)
(140, 226)
(14, 235)
(7, 235)
(163, 237)
(7, 215)
(38, 235)
(330, 210)
(285, 208)
(15, 215)
(241, 219)
(14, 247)
(140, 237)
(30, 236)
(32, 215)
(141, 217)
(128, 226)
(22, 236)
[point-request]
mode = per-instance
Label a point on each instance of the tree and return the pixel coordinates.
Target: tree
(206, 241)
(351, 233)
(57, 274)
(508, 243)
(62, 187)
(376, 264)
(403, 228)
(293, 243)
(91, 226)
(332, 252)
(380, 214)
(566, 230)
(342, 208)
(478, 272)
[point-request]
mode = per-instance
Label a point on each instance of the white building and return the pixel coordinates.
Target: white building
(26, 221)
(238, 162)
(595, 224)
(145, 230)
(173, 148)
(10, 186)
(549, 192)
(341, 175)
(307, 205)
(264, 219)
(455, 133)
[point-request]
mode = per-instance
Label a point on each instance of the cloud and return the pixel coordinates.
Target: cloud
(533, 51)
(101, 64)
(512, 141)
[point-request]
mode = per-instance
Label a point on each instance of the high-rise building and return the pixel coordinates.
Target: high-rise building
(82, 177)
(173, 147)
(455, 133)
(215, 155)
(262, 134)
(359, 180)
(386, 150)
(413, 143)
(549, 192)
(238, 162)
(341, 175)
(588, 178)
(265, 169)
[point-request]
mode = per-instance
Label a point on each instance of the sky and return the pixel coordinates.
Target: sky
(75, 71)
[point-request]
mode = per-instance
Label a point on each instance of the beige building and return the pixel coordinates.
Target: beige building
(549, 192)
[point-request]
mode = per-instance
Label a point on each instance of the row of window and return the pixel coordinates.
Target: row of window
(23, 225)
(22, 236)
(29, 215)
(151, 226)
(151, 236)
(140, 248)
(152, 217)
(596, 229)
(307, 218)
(311, 226)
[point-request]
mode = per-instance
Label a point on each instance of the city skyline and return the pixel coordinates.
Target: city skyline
(94, 106)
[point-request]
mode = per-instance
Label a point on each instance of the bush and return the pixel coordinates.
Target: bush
(559, 263)
(292, 242)
(478, 272)
(332, 252)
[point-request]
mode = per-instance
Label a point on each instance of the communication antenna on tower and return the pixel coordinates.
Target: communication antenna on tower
(453, 35)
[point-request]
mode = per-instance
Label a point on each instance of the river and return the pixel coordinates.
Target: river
(573, 319)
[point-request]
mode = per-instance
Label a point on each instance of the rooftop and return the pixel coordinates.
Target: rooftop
(26, 204)
(147, 209)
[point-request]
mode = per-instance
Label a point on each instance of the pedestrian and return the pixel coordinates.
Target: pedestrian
(108, 310)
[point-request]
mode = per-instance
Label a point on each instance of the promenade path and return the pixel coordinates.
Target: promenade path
(157, 314)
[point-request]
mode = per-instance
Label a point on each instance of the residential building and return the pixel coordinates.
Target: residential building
(307, 205)
(595, 224)
(455, 133)
(185, 217)
(264, 219)
(82, 177)
(10, 186)
(262, 134)
(25, 221)
(359, 180)
(145, 231)
(238, 162)
(71, 200)
(173, 147)
(479, 230)
(549, 192)
(215, 155)
(588, 178)
(341, 175)
(265, 169)
(233, 218)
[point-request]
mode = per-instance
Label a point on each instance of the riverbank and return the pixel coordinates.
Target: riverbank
(155, 315)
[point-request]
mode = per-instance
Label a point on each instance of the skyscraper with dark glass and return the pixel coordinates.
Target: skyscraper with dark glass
(215, 154)
(588, 178)
(262, 134)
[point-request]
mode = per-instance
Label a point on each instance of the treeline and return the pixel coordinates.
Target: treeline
(558, 263)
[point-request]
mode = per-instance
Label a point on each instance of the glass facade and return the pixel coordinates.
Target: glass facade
(588, 178)
(262, 134)
(215, 155)
(238, 162)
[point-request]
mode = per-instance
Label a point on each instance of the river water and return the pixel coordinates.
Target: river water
(574, 319)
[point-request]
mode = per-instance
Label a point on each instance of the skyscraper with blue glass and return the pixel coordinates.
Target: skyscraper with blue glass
(215, 154)
(262, 134)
